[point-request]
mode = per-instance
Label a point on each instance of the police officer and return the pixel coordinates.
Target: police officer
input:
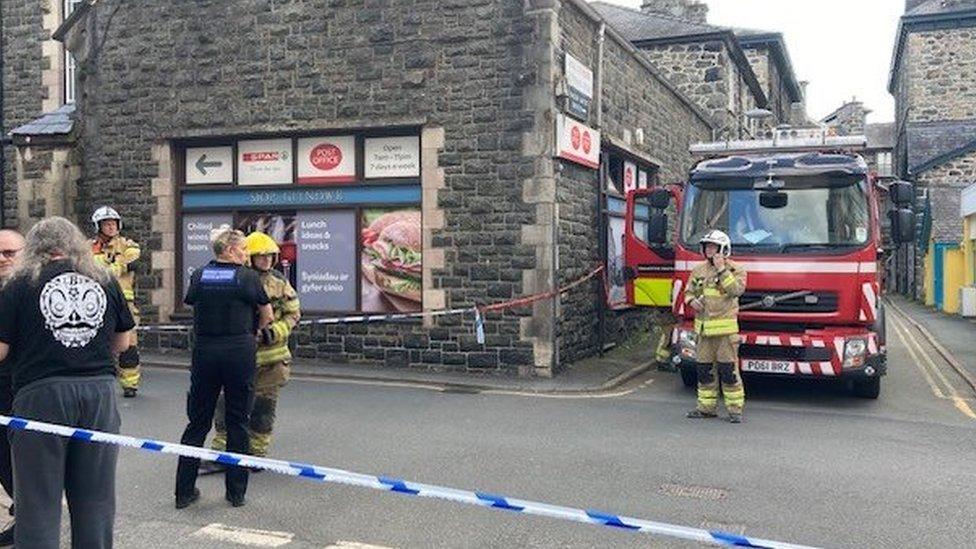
(713, 292)
(230, 308)
(273, 356)
(119, 254)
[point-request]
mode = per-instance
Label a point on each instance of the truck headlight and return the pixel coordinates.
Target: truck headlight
(687, 340)
(854, 351)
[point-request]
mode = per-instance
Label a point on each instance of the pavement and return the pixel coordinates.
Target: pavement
(595, 374)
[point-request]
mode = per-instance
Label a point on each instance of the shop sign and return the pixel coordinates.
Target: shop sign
(197, 250)
(630, 177)
(264, 162)
(325, 160)
(392, 157)
(209, 165)
(579, 85)
(327, 257)
(577, 142)
(250, 198)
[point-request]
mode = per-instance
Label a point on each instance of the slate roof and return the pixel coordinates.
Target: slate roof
(57, 123)
(880, 136)
(933, 143)
(636, 25)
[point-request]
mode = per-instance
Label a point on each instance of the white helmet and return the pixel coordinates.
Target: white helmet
(718, 238)
(104, 213)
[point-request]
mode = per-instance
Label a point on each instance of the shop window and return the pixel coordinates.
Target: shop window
(344, 210)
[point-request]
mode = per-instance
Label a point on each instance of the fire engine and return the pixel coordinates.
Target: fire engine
(804, 215)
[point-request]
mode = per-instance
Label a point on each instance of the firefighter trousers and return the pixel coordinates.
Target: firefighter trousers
(718, 367)
(267, 384)
(128, 370)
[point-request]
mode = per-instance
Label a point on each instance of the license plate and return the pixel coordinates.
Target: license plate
(769, 366)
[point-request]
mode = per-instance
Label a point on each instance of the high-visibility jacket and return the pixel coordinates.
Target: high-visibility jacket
(287, 313)
(719, 291)
(119, 255)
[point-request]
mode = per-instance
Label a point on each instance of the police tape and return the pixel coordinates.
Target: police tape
(478, 312)
(388, 484)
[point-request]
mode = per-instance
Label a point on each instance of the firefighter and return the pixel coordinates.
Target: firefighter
(273, 356)
(713, 292)
(119, 254)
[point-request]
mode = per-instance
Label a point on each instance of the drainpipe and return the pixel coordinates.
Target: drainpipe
(3, 130)
(600, 187)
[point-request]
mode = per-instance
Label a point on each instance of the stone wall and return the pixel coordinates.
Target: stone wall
(768, 75)
(634, 97)
(456, 67)
(23, 93)
(705, 73)
(940, 67)
(945, 183)
(46, 180)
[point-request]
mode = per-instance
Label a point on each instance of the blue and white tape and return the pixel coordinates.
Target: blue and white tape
(338, 476)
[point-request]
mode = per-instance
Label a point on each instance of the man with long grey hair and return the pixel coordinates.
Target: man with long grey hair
(64, 321)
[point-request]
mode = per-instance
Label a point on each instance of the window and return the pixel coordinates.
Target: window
(884, 164)
(69, 61)
(344, 210)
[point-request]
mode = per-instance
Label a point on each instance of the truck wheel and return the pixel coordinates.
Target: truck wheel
(868, 388)
(689, 376)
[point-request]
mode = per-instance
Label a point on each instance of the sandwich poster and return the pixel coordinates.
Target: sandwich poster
(391, 260)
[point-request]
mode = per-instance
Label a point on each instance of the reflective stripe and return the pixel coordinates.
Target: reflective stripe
(729, 280)
(273, 355)
(717, 327)
(712, 292)
(652, 292)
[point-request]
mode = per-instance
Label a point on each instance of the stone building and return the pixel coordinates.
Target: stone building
(498, 135)
(932, 72)
(728, 72)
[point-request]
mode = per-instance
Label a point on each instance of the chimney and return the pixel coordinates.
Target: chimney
(689, 10)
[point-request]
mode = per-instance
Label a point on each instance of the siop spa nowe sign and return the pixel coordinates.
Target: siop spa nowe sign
(577, 142)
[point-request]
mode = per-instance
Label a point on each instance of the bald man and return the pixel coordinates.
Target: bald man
(11, 247)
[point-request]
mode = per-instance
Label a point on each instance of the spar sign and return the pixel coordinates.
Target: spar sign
(325, 160)
(577, 142)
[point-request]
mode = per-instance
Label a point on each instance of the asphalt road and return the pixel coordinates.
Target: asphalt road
(811, 465)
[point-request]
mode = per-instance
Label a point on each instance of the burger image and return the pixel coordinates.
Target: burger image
(392, 257)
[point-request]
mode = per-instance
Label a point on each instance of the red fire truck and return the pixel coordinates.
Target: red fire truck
(803, 213)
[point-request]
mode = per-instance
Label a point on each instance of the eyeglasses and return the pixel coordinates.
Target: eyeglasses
(10, 254)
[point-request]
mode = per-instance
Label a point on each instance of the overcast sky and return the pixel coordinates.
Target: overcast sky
(842, 47)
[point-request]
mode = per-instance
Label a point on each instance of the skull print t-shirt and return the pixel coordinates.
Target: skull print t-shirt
(61, 324)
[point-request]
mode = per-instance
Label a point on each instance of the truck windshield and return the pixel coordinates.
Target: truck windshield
(816, 213)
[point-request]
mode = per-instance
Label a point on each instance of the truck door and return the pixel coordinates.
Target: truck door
(649, 245)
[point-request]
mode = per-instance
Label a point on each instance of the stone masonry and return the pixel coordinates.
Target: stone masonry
(477, 78)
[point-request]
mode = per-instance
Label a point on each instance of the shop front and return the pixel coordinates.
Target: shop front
(344, 210)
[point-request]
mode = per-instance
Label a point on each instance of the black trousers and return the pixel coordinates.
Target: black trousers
(6, 461)
(219, 364)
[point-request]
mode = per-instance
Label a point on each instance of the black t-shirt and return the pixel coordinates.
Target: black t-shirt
(224, 297)
(61, 324)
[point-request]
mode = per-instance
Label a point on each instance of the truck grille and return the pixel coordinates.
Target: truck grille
(815, 302)
(783, 352)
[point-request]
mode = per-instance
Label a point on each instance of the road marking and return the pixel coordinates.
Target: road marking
(354, 545)
(936, 390)
(244, 536)
(695, 492)
(910, 342)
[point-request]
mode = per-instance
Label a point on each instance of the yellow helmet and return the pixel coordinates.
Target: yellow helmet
(258, 243)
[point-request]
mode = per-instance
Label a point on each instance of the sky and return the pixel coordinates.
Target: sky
(842, 47)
